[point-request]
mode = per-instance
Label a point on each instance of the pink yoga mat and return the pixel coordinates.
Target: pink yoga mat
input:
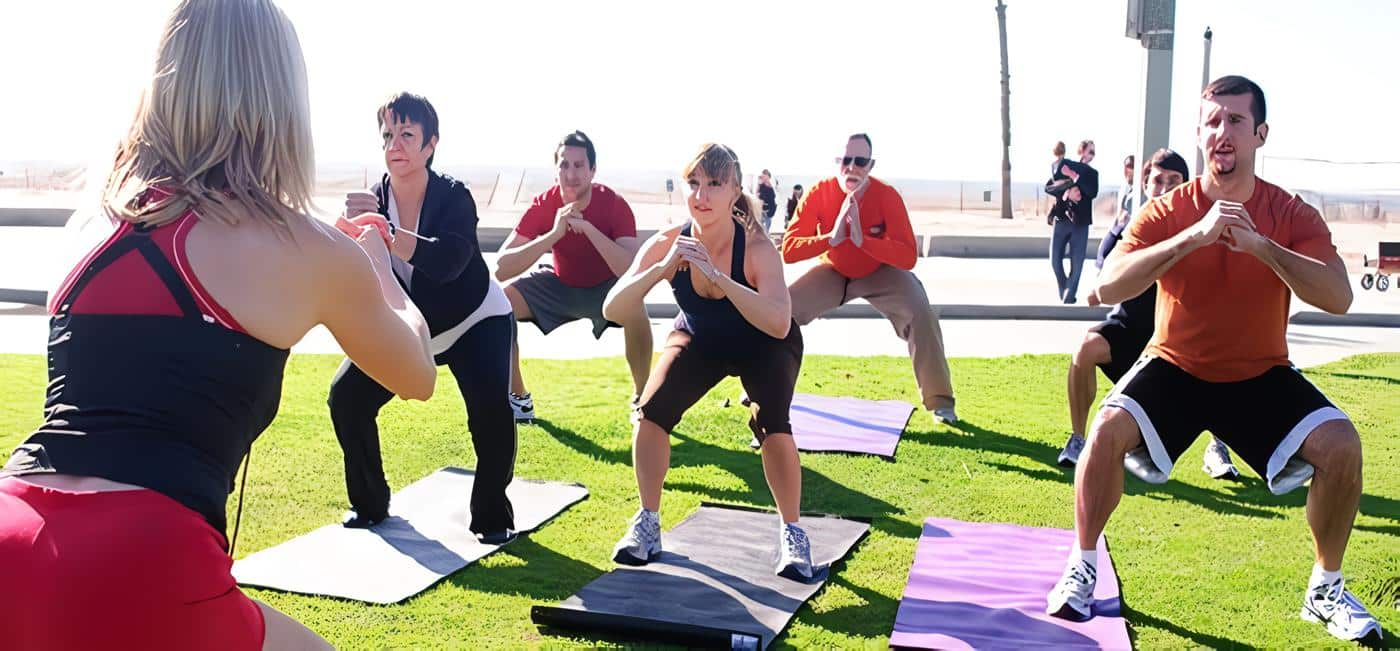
(983, 586)
(829, 424)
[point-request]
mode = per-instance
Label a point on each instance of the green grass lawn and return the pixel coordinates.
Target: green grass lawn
(1203, 563)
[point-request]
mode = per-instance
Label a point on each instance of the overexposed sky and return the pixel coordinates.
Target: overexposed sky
(780, 82)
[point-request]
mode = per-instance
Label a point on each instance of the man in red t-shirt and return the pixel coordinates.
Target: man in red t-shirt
(592, 234)
(860, 228)
(1226, 251)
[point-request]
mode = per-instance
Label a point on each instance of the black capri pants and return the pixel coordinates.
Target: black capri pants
(480, 361)
(691, 365)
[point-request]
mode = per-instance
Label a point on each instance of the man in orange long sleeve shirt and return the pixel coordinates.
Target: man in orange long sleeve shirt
(860, 228)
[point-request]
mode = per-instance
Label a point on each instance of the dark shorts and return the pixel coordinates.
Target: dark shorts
(553, 303)
(1263, 419)
(689, 367)
(1126, 341)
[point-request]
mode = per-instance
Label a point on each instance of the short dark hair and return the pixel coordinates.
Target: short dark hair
(578, 139)
(1237, 85)
(797, 187)
(407, 107)
(864, 137)
(1168, 160)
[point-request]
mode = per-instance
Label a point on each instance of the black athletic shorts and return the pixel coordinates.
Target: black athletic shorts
(690, 366)
(1127, 330)
(1263, 419)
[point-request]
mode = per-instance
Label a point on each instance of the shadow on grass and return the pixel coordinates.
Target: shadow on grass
(1136, 619)
(586, 446)
(546, 576)
(872, 619)
(819, 492)
(1234, 498)
(1358, 376)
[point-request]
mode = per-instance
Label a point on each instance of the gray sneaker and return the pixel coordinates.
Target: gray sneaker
(523, 407)
(945, 415)
(1073, 596)
(1069, 457)
(1217, 461)
(1346, 619)
(795, 555)
(642, 543)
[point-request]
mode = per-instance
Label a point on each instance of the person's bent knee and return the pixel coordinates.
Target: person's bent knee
(518, 305)
(1334, 449)
(1093, 351)
(1114, 433)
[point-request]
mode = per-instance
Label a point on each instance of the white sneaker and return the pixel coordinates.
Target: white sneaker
(945, 415)
(642, 542)
(795, 555)
(1073, 596)
(1217, 461)
(523, 407)
(1069, 457)
(1346, 619)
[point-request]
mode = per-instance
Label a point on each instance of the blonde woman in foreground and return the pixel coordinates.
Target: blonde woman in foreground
(168, 345)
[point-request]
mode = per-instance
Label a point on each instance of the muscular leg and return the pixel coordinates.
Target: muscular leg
(1334, 450)
(1083, 379)
(1098, 477)
(783, 470)
(636, 330)
(651, 458)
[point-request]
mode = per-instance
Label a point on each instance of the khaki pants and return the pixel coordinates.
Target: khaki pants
(899, 296)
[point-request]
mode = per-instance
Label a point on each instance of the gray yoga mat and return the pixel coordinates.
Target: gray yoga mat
(425, 539)
(713, 585)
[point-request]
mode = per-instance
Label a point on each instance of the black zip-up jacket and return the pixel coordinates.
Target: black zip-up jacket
(450, 277)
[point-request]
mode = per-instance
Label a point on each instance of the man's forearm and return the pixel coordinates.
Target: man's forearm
(617, 257)
(515, 261)
(1317, 283)
(1127, 275)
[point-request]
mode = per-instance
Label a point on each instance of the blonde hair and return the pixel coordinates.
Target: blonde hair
(719, 162)
(224, 127)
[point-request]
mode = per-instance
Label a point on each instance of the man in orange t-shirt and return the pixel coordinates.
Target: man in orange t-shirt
(1226, 252)
(860, 228)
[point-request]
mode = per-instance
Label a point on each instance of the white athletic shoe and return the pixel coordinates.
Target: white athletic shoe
(523, 407)
(1073, 596)
(945, 415)
(1336, 607)
(1217, 461)
(795, 556)
(1069, 457)
(642, 542)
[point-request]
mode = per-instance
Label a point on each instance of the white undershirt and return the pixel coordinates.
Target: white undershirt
(494, 303)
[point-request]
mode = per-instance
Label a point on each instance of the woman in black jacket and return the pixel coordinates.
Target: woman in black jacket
(431, 219)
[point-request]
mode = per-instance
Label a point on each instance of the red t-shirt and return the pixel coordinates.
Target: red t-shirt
(576, 261)
(1222, 315)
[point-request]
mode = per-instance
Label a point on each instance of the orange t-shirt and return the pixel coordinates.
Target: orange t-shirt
(889, 238)
(1222, 315)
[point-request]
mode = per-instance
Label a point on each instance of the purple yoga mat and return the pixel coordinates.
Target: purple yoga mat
(827, 424)
(983, 586)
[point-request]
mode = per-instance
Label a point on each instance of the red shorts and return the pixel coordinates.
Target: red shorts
(115, 570)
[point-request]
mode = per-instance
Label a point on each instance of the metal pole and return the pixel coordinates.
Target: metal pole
(1205, 80)
(1005, 118)
(1152, 23)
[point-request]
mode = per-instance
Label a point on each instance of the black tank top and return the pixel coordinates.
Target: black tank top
(714, 318)
(169, 402)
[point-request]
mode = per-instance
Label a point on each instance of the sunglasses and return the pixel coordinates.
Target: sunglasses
(860, 161)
